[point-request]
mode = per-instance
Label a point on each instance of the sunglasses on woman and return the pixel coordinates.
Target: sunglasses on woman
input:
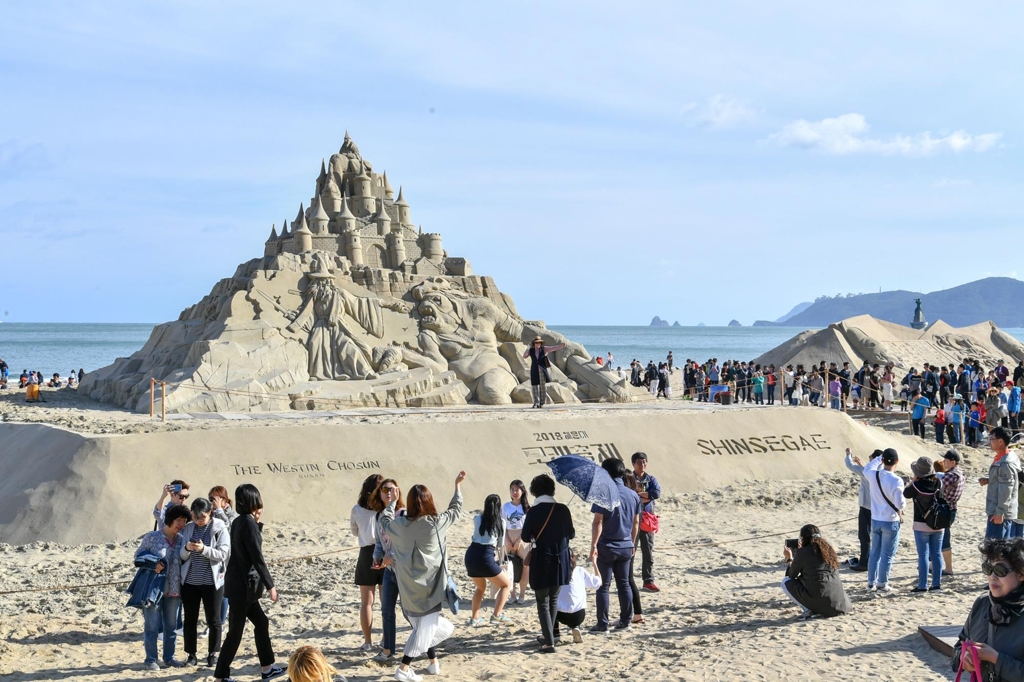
(1001, 570)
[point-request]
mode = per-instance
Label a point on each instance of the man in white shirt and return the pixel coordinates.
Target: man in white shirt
(886, 489)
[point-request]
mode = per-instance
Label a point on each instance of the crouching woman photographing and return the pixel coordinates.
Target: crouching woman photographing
(812, 576)
(993, 636)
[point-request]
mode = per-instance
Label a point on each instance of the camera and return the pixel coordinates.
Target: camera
(793, 544)
(176, 488)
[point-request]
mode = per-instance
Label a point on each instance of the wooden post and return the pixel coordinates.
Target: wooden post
(152, 388)
(163, 401)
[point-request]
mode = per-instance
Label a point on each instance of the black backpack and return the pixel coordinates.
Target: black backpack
(939, 515)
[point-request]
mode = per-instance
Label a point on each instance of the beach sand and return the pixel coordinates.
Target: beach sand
(720, 614)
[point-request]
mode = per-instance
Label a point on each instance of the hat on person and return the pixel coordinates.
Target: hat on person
(957, 396)
(1010, 384)
(952, 455)
(922, 467)
(537, 338)
(889, 456)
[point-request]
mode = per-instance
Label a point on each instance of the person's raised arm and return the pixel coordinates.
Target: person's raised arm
(451, 515)
(160, 503)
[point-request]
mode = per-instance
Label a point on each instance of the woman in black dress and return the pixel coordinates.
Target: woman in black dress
(242, 591)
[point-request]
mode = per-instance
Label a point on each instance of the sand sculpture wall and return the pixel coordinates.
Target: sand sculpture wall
(861, 338)
(326, 319)
(72, 488)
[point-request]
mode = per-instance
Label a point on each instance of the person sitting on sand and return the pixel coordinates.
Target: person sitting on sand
(994, 627)
(308, 664)
(572, 599)
(812, 576)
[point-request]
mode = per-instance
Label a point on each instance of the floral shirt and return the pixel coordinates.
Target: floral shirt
(157, 544)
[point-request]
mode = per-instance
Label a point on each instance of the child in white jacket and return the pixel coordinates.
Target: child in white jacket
(572, 600)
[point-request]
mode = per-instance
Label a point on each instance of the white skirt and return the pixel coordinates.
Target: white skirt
(887, 392)
(427, 631)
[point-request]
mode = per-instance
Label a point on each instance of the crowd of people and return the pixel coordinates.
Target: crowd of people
(32, 380)
(208, 555)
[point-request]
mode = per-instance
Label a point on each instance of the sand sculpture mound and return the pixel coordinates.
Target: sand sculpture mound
(861, 338)
(350, 305)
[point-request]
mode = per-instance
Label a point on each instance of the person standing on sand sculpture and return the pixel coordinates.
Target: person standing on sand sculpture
(539, 364)
(461, 333)
(329, 315)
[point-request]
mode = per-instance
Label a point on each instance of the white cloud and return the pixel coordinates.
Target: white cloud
(847, 134)
(719, 112)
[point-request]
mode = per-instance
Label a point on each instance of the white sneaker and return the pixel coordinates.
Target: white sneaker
(367, 647)
(434, 668)
(577, 636)
(884, 588)
(407, 675)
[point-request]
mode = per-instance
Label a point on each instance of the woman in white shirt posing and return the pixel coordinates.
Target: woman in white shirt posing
(364, 527)
(513, 514)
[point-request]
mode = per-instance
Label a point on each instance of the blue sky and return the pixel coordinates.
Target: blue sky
(603, 163)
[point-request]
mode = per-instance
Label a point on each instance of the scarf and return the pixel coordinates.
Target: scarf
(1005, 610)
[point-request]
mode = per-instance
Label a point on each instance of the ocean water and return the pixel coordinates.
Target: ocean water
(55, 347)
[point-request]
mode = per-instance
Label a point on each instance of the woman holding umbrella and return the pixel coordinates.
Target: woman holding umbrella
(539, 364)
(548, 526)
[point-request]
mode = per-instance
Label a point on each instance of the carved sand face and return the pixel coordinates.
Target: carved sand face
(437, 313)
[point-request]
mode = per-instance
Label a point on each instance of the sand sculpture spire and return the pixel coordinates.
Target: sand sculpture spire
(318, 221)
(347, 292)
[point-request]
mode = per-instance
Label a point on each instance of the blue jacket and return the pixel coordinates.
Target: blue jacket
(1013, 403)
(653, 490)
(147, 587)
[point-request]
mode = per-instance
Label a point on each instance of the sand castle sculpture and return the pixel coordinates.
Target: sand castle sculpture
(350, 305)
(864, 337)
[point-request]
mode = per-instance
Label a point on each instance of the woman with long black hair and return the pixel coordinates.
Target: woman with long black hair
(513, 513)
(247, 577)
(812, 576)
(481, 562)
(363, 520)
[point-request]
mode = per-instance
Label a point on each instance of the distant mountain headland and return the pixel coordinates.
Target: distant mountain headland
(995, 298)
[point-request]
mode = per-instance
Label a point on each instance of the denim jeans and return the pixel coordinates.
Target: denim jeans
(163, 617)
(929, 549)
(1017, 529)
(998, 531)
(388, 601)
(885, 536)
(836, 403)
(947, 535)
(614, 562)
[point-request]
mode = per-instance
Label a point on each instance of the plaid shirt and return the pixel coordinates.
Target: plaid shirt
(953, 486)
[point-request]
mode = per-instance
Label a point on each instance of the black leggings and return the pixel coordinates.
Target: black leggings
(211, 598)
(431, 655)
(570, 620)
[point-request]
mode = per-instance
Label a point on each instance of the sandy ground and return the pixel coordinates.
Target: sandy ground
(720, 614)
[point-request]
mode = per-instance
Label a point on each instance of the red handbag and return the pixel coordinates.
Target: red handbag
(648, 522)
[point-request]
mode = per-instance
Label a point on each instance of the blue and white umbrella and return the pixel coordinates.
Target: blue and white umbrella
(585, 478)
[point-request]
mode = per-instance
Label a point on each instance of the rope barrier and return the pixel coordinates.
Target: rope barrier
(286, 560)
